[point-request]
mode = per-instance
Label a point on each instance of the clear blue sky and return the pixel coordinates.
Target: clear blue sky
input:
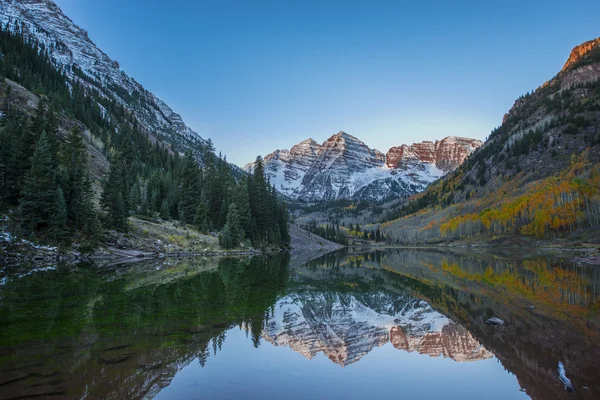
(256, 75)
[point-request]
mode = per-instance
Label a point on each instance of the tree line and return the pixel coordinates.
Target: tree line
(340, 235)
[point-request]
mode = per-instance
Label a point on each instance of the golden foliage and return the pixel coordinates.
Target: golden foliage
(561, 203)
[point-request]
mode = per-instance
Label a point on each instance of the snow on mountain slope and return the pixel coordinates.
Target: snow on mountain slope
(71, 47)
(345, 167)
(345, 327)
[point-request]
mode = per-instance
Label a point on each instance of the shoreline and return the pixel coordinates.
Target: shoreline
(588, 254)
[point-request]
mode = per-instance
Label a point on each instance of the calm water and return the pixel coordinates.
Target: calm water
(401, 324)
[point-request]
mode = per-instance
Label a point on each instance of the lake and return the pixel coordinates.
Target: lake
(361, 325)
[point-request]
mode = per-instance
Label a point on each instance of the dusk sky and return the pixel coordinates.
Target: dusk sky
(255, 76)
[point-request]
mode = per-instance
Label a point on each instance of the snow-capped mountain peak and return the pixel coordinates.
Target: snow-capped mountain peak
(345, 167)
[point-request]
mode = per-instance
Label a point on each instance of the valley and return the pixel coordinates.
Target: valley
(534, 178)
(251, 252)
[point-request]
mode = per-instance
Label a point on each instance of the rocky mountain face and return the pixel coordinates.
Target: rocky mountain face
(446, 154)
(343, 167)
(579, 52)
(74, 52)
(345, 327)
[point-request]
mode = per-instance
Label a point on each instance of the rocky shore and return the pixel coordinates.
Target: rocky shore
(304, 246)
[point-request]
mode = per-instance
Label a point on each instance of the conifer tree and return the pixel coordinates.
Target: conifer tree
(165, 210)
(16, 155)
(112, 200)
(242, 202)
(190, 188)
(37, 197)
(37, 125)
(58, 219)
(259, 201)
(283, 223)
(232, 232)
(201, 219)
(51, 129)
(77, 184)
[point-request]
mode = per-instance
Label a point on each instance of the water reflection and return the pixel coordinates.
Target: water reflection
(345, 326)
(126, 332)
(77, 331)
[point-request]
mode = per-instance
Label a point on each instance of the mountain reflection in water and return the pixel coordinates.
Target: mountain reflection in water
(218, 328)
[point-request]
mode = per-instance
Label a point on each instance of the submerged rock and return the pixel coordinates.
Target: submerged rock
(563, 378)
(494, 321)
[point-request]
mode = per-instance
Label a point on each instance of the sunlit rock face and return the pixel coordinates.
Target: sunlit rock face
(346, 327)
(453, 341)
(343, 167)
(572, 75)
(581, 51)
(446, 154)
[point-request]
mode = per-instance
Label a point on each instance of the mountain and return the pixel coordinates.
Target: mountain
(85, 148)
(73, 52)
(537, 175)
(345, 327)
(343, 167)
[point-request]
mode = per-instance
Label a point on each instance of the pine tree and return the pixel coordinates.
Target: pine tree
(16, 155)
(201, 219)
(58, 219)
(37, 125)
(51, 129)
(283, 223)
(259, 202)
(190, 188)
(112, 200)
(232, 232)
(37, 197)
(77, 184)
(135, 200)
(242, 202)
(165, 210)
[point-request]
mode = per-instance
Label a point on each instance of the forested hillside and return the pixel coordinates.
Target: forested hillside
(537, 175)
(56, 131)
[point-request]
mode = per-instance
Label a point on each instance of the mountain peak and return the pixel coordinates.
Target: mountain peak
(581, 51)
(344, 135)
(345, 167)
(308, 141)
(342, 139)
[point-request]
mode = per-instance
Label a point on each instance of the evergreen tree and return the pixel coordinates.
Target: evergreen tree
(242, 202)
(201, 220)
(232, 233)
(58, 219)
(190, 188)
(165, 210)
(36, 126)
(51, 129)
(259, 202)
(77, 184)
(37, 197)
(283, 223)
(112, 200)
(15, 155)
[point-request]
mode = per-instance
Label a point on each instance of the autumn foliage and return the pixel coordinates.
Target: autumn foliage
(559, 204)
